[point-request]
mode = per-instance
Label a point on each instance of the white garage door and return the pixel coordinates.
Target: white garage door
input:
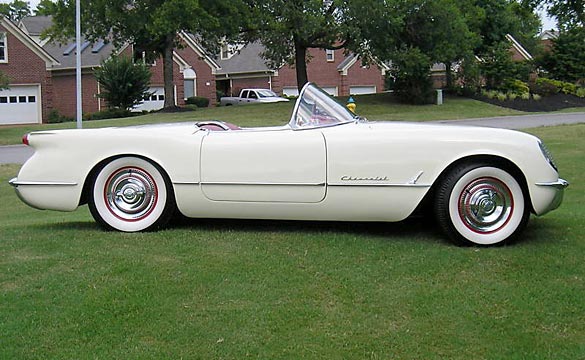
(290, 91)
(20, 105)
(155, 102)
(362, 90)
(331, 90)
(293, 91)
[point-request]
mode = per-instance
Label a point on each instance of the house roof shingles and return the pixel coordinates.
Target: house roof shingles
(247, 60)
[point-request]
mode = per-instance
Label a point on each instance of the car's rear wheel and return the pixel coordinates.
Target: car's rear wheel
(479, 204)
(131, 194)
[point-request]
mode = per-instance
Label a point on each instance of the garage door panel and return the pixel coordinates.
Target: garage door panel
(20, 105)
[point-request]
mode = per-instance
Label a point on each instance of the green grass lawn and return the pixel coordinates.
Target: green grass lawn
(374, 107)
(218, 289)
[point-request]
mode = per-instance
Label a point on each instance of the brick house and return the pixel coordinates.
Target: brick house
(42, 74)
(335, 72)
(27, 66)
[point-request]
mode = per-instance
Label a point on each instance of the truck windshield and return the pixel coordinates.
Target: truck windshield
(266, 93)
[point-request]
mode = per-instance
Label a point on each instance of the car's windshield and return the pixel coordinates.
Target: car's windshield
(315, 108)
(266, 93)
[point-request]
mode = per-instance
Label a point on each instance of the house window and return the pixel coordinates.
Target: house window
(3, 48)
(145, 57)
(225, 52)
(189, 88)
(330, 55)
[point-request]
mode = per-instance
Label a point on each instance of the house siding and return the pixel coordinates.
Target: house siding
(65, 93)
(25, 67)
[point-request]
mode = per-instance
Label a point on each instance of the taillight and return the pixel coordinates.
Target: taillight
(25, 139)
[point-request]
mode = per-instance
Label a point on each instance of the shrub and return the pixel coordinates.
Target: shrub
(544, 87)
(501, 96)
(580, 92)
(55, 117)
(123, 83)
(198, 101)
(511, 95)
(525, 96)
(219, 94)
(109, 114)
(536, 97)
(515, 86)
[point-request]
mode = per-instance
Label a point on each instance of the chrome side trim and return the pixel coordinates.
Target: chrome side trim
(296, 184)
(15, 182)
(186, 183)
(559, 184)
(383, 185)
(259, 183)
(416, 177)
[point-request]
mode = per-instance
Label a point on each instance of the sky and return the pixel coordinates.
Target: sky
(547, 23)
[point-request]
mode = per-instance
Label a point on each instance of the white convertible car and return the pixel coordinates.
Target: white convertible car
(325, 164)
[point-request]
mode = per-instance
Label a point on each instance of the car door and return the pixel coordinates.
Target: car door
(264, 166)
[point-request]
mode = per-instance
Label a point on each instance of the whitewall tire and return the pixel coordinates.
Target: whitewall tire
(131, 194)
(479, 204)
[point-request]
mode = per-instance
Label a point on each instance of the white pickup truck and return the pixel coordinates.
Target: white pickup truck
(252, 96)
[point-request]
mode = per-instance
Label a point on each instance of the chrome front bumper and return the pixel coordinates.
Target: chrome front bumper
(559, 188)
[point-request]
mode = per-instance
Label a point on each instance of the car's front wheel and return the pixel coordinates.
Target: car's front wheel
(131, 194)
(480, 204)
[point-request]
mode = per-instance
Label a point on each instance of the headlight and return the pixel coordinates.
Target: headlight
(548, 155)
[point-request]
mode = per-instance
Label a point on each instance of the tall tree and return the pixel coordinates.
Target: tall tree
(566, 61)
(151, 25)
(46, 8)
(289, 28)
(439, 30)
(569, 13)
(16, 10)
(493, 19)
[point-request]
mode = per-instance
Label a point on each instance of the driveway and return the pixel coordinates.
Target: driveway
(18, 154)
(15, 154)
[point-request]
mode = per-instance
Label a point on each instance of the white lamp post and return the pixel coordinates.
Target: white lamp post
(78, 61)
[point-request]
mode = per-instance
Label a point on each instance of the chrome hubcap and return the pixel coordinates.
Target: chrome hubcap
(486, 205)
(131, 194)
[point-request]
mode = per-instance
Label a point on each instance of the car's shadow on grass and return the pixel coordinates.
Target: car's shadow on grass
(411, 228)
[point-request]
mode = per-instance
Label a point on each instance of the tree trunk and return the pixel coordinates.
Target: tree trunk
(301, 64)
(168, 71)
(448, 74)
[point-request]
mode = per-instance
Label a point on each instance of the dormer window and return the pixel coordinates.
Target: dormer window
(3, 48)
(225, 52)
(330, 55)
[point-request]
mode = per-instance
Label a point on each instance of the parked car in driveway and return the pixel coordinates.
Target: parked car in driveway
(252, 96)
(326, 164)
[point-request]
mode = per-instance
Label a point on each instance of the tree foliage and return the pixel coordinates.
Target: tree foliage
(46, 8)
(566, 61)
(289, 28)
(412, 70)
(498, 68)
(151, 25)
(123, 84)
(16, 10)
(569, 13)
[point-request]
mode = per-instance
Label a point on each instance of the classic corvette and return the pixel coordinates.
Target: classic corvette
(325, 164)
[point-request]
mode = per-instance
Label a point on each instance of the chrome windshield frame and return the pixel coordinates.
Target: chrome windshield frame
(326, 101)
